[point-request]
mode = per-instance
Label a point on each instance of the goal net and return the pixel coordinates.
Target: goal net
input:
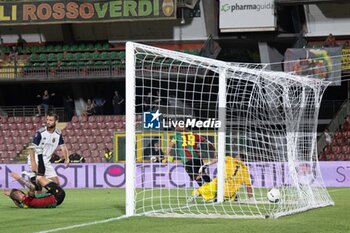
(207, 138)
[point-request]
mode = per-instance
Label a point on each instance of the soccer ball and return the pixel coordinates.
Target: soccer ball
(153, 159)
(274, 195)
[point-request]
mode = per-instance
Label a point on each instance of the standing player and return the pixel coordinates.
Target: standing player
(45, 142)
(236, 174)
(51, 199)
(186, 146)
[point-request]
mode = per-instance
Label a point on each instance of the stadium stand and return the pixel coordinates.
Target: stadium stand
(88, 136)
(66, 61)
(339, 148)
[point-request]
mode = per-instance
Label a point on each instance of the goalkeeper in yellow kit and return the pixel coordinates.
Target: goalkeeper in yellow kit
(236, 174)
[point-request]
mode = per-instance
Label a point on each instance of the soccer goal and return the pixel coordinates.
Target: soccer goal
(184, 112)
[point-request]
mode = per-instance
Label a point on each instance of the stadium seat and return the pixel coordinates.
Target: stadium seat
(95, 153)
(104, 132)
(10, 146)
(101, 146)
(98, 139)
(88, 159)
(86, 153)
(3, 120)
(2, 147)
(84, 146)
(90, 139)
(9, 140)
(107, 139)
(93, 125)
(97, 159)
(92, 146)
(82, 140)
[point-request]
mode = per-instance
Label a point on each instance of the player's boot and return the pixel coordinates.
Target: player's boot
(193, 197)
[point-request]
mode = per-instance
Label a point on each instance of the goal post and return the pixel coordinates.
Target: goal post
(207, 138)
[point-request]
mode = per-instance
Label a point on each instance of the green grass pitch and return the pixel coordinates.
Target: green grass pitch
(88, 205)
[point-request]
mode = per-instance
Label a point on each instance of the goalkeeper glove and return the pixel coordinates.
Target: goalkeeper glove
(202, 168)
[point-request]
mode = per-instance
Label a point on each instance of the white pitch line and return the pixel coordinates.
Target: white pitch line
(83, 224)
(337, 190)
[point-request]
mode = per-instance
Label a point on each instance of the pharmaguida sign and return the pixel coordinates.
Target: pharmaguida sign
(103, 175)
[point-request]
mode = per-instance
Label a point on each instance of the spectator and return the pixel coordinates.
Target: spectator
(89, 109)
(13, 53)
(346, 125)
(68, 108)
(328, 136)
(157, 102)
(76, 158)
(330, 41)
(346, 45)
(45, 102)
(117, 101)
(21, 43)
(99, 102)
(157, 154)
(108, 155)
(147, 104)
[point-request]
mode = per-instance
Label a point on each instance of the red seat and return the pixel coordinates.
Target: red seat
(95, 153)
(9, 141)
(73, 139)
(29, 126)
(23, 133)
(13, 126)
(28, 120)
(110, 118)
(82, 140)
(78, 132)
(2, 147)
(104, 132)
(75, 119)
(19, 148)
(98, 139)
(86, 154)
(101, 125)
(101, 147)
(107, 139)
(93, 125)
(11, 120)
(82, 118)
(15, 133)
(3, 120)
(87, 132)
(340, 157)
(97, 159)
(336, 149)
(95, 132)
(90, 139)
(92, 119)
(36, 120)
(92, 146)
(84, 147)
(76, 147)
(11, 147)
(5, 127)
(88, 159)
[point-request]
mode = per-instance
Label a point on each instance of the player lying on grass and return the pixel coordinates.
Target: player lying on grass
(187, 148)
(54, 197)
(236, 174)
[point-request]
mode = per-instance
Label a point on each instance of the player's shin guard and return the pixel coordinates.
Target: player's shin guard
(57, 191)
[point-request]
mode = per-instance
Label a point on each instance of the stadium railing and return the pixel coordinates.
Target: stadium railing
(29, 110)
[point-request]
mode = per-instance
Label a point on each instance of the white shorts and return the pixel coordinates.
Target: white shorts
(49, 170)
